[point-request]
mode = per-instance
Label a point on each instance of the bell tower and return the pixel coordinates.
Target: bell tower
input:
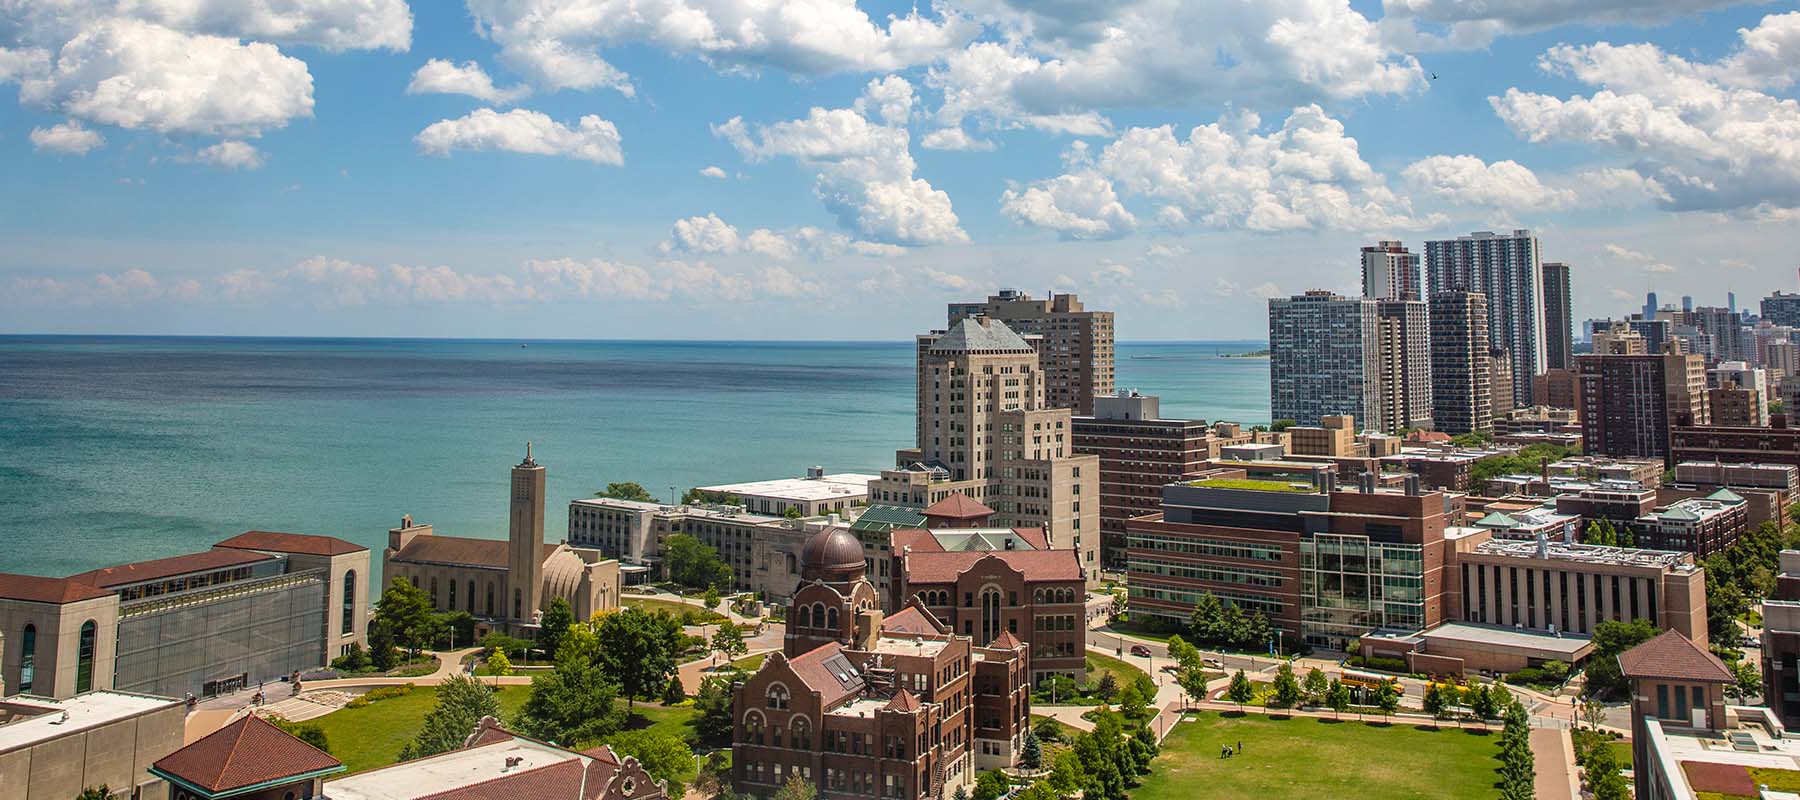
(525, 542)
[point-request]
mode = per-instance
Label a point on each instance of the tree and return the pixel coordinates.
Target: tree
(1746, 681)
(571, 704)
(711, 598)
(1315, 686)
(1108, 687)
(1287, 687)
(1047, 730)
(382, 653)
(1187, 655)
(1610, 639)
(1518, 773)
(356, 659)
(461, 703)
(627, 490)
(1102, 779)
(1481, 702)
(792, 512)
(309, 732)
(961, 793)
(1031, 753)
(1602, 774)
(1067, 775)
(554, 626)
(796, 788)
(1600, 532)
(1593, 712)
(100, 792)
(1434, 701)
(666, 757)
(991, 785)
(1338, 698)
(729, 639)
(1503, 699)
(1193, 682)
(674, 693)
(1240, 691)
(405, 612)
(1131, 703)
(691, 563)
(1387, 698)
(499, 664)
(636, 650)
(712, 709)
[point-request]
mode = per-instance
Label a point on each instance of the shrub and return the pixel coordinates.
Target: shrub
(1383, 664)
(380, 693)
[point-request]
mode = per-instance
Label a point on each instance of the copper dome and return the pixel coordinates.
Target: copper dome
(832, 554)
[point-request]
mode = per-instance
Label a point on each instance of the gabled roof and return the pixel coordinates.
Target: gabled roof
(461, 551)
(1497, 520)
(904, 701)
(1678, 512)
(1671, 656)
(245, 753)
(825, 669)
(912, 621)
(298, 543)
(157, 569)
(970, 335)
(1005, 641)
(56, 591)
(958, 506)
(1725, 495)
(1035, 565)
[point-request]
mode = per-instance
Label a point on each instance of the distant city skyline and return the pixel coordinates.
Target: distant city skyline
(479, 170)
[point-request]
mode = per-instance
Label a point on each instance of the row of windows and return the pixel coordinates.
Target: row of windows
(1244, 576)
(1202, 546)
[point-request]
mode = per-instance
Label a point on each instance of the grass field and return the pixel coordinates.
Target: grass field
(1122, 672)
(1308, 757)
(700, 615)
(372, 736)
(750, 663)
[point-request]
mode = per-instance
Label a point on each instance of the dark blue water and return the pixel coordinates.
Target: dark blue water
(118, 449)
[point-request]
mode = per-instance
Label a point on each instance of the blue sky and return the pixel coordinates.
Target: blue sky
(739, 169)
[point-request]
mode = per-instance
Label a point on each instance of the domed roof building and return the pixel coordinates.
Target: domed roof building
(834, 555)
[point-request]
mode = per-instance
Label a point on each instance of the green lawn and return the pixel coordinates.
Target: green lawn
(371, 736)
(1253, 484)
(1308, 757)
(700, 616)
(750, 663)
(1123, 672)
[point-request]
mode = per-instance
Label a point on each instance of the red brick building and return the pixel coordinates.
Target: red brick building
(1139, 453)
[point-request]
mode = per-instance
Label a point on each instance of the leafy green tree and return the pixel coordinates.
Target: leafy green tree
(1187, 655)
(1338, 698)
(499, 664)
(100, 792)
(356, 659)
(461, 703)
(1481, 702)
(405, 611)
(1193, 682)
(554, 626)
(666, 757)
(796, 788)
(712, 709)
(1503, 699)
(1600, 533)
(1518, 773)
(1047, 730)
(1037, 791)
(692, 563)
(1435, 704)
(637, 650)
(1145, 686)
(711, 598)
(1144, 748)
(627, 490)
(1602, 776)
(1611, 638)
(674, 693)
(383, 655)
(1746, 681)
(1067, 775)
(1315, 685)
(1031, 752)
(961, 793)
(990, 785)
(572, 704)
(1102, 779)
(1387, 698)
(729, 639)
(1287, 688)
(792, 512)
(1240, 691)
(1131, 703)
(1108, 687)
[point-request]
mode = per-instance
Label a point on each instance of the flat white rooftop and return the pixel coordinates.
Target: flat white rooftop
(442, 773)
(1569, 647)
(826, 487)
(860, 707)
(86, 711)
(909, 647)
(629, 505)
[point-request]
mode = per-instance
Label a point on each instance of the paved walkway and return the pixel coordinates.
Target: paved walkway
(1553, 754)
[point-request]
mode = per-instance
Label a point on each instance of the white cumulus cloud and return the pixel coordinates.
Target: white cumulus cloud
(69, 138)
(441, 76)
(230, 154)
(524, 131)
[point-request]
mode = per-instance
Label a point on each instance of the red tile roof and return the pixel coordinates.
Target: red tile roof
(245, 753)
(460, 550)
(812, 669)
(910, 620)
(562, 780)
(157, 569)
(904, 701)
(298, 543)
(1035, 565)
(1035, 536)
(1005, 641)
(58, 591)
(958, 506)
(919, 539)
(1672, 656)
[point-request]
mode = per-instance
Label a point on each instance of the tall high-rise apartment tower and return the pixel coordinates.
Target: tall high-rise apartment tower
(1389, 272)
(1559, 317)
(1404, 347)
(1074, 345)
(1460, 384)
(1629, 402)
(1508, 270)
(1324, 357)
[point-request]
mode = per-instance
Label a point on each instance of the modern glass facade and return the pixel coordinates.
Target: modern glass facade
(1351, 584)
(222, 638)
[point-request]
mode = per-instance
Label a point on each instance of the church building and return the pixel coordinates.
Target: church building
(504, 584)
(859, 702)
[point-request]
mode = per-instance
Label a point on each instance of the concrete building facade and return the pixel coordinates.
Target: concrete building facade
(53, 749)
(1405, 366)
(1559, 317)
(1461, 388)
(1324, 357)
(1075, 345)
(1631, 402)
(1390, 272)
(1139, 452)
(1507, 268)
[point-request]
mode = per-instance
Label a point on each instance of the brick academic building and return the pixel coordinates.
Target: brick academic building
(1776, 444)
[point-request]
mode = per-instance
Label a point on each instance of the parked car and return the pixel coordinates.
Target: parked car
(1213, 662)
(1750, 641)
(1171, 668)
(1140, 651)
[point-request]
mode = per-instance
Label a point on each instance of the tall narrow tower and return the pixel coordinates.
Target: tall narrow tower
(525, 540)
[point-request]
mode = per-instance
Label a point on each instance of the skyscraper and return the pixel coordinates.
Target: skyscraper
(1559, 317)
(1324, 357)
(1404, 346)
(1649, 305)
(1687, 302)
(1508, 270)
(1782, 308)
(1075, 345)
(1389, 272)
(1726, 332)
(1460, 400)
(1628, 402)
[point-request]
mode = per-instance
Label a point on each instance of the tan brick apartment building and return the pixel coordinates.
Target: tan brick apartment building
(1075, 345)
(1139, 452)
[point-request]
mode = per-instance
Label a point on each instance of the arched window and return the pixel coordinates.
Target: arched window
(800, 737)
(831, 618)
(349, 624)
(490, 599)
(805, 620)
(818, 615)
(990, 614)
(434, 594)
(84, 658)
(471, 597)
(1037, 596)
(753, 728)
(518, 603)
(452, 604)
(27, 658)
(778, 696)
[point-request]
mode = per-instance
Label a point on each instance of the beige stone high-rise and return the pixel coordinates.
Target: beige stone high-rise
(986, 430)
(525, 539)
(1075, 345)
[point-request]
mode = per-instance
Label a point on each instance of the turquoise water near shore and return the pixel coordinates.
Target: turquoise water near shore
(115, 449)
